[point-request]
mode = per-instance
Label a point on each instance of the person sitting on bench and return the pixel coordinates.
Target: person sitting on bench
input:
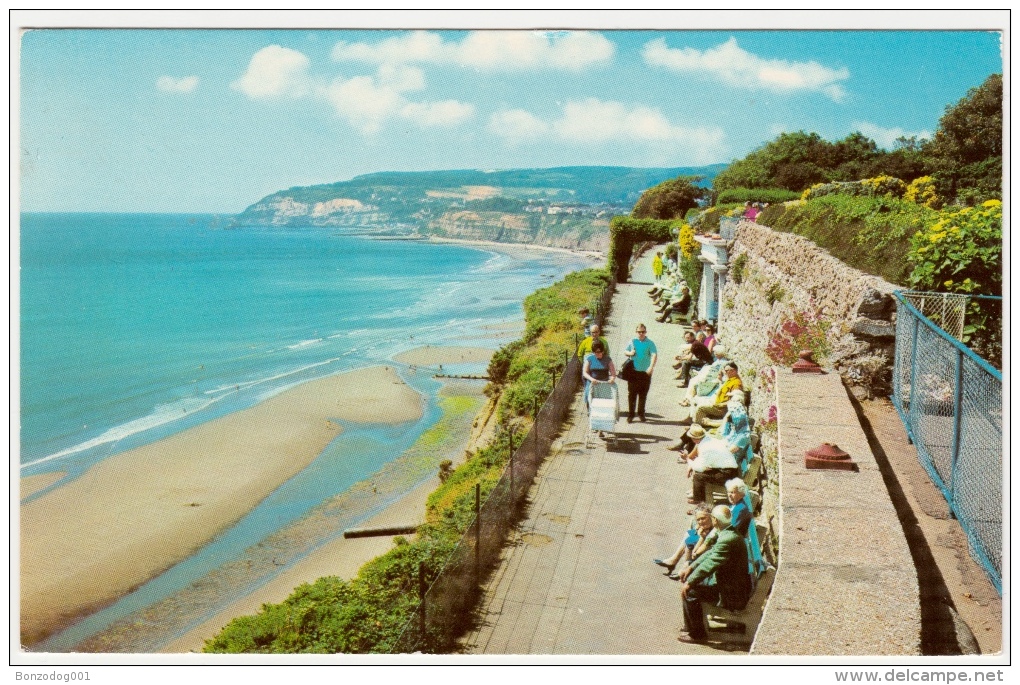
(715, 460)
(697, 541)
(678, 306)
(697, 356)
(740, 512)
(714, 407)
(720, 575)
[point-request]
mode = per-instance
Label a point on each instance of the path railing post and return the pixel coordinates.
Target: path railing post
(478, 533)
(957, 418)
(421, 600)
(510, 459)
(913, 374)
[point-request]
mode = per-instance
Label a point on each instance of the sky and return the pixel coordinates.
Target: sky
(157, 120)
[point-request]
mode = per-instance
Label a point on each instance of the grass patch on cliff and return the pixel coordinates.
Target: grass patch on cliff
(368, 613)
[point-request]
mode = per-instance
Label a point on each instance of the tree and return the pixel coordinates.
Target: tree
(795, 161)
(670, 199)
(965, 154)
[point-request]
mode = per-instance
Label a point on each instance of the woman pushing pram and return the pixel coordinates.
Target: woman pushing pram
(600, 391)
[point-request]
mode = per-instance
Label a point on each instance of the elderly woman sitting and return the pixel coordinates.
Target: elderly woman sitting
(740, 510)
(699, 539)
(715, 460)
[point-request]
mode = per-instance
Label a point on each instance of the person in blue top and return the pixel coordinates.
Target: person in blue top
(598, 368)
(643, 352)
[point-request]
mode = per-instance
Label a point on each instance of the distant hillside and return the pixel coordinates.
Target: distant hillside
(565, 207)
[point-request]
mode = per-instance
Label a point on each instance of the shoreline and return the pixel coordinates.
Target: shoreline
(343, 557)
(595, 255)
(127, 519)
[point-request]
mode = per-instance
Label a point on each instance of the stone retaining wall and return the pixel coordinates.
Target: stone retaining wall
(773, 274)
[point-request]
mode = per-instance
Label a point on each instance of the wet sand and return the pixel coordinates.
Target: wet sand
(340, 557)
(137, 513)
(33, 484)
(432, 356)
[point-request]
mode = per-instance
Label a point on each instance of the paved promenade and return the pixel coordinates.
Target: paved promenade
(579, 579)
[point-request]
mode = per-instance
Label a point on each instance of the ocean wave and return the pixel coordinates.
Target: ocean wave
(167, 413)
(304, 343)
(162, 415)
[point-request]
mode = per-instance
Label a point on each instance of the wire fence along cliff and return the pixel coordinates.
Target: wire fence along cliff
(950, 401)
(446, 608)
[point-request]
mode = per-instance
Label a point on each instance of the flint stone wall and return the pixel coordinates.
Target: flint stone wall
(783, 273)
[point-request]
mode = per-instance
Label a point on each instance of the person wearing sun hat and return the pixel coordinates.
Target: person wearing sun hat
(712, 460)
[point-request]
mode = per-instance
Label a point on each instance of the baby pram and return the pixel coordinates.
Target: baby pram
(603, 411)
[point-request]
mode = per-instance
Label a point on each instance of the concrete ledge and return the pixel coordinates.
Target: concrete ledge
(846, 583)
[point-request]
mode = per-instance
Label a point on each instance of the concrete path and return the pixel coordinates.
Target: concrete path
(579, 577)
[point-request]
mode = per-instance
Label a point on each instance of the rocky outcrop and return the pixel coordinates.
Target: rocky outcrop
(529, 229)
(283, 210)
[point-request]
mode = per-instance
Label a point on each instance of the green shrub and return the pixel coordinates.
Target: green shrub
(625, 232)
(879, 186)
(868, 233)
(741, 195)
(961, 252)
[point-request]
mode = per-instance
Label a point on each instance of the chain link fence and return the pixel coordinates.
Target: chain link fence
(950, 401)
(446, 608)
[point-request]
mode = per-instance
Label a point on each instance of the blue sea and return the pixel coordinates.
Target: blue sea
(134, 327)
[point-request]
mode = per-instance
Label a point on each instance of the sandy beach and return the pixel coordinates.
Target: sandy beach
(340, 557)
(520, 248)
(431, 356)
(137, 513)
(33, 484)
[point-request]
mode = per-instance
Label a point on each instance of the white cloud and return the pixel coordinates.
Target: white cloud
(442, 113)
(886, 137)
(737, 67)
(594, 121)
(517, 124)
(401, 78)
(368, 102)
(275, 72)
(486, 50)
(169, 84)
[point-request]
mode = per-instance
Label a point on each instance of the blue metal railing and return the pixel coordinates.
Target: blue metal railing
(950, 401)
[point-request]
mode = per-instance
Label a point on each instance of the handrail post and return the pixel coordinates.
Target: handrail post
(478, 533)
(913, 373)
(957, 419)
(510, 465)
(421, 599)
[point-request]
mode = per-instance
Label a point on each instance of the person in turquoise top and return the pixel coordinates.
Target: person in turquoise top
(643, 352)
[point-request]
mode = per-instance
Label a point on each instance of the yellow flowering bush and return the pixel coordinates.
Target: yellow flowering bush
(688, 245)
(883, 185)
(813, 191)
(960, 252)
(921, 191)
